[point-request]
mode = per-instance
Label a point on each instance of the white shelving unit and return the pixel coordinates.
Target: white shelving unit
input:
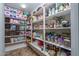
(44, 29)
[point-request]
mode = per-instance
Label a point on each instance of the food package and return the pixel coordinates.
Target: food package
(51, 52)
(7, 13)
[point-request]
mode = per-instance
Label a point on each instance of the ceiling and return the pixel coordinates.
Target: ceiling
(29, 6)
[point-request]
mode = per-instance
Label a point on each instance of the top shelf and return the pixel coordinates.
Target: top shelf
(62, 13)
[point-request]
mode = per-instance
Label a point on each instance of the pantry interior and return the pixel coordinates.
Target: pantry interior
(44, 28)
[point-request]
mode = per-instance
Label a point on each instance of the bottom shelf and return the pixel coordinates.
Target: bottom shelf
(38, 49)
(56, 51)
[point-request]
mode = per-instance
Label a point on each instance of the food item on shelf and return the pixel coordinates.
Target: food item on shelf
(14, 21)
(50, 13)
(63, 53)
(66, 5)
(13, 27)
(67, 43)
(22, 32)
(13, 13)
(22, 22)
(28, 40)
(38, 35)
(40, 17)
(61, 7)
(11, 21)
(58, 22)
(14, 40)
(27, 33)
(34, 18)
(7, 13)
(51, 24)
(65, 23)
(56, 51)
(51, 52)
(6, 8)
(60, 39)
(20, 38)
(68, 53)
(40, 26)
(53, 11)
(7, 40)
(37, 18)
(40, 44)
(51, 49)
(56, 38)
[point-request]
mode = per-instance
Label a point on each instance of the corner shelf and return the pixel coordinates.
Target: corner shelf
(38, 49)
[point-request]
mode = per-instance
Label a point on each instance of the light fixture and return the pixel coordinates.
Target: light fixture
(23, 5)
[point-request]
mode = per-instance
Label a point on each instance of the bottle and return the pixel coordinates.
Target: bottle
(61, 7)
(60, 39)
(55, 38)
(53, 11)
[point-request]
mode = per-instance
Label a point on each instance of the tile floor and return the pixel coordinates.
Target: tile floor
(27, 51)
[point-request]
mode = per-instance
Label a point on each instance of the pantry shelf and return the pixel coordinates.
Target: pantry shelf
(11, 23)
(62, 46)
(14, 30)
(38, 29)
(62, 13)
(15, 42)
(14, 36)
(15, 18)
(38, 38)
(58, 28)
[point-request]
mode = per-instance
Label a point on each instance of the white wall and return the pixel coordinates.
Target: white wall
(2, 47)
(75, 29)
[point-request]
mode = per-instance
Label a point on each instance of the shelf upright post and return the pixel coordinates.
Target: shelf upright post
(75, 29)
(31, 27)
(44, 25)
(31, 30)
(2, 30)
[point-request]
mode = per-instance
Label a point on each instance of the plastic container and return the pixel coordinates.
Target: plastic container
(40, 43)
